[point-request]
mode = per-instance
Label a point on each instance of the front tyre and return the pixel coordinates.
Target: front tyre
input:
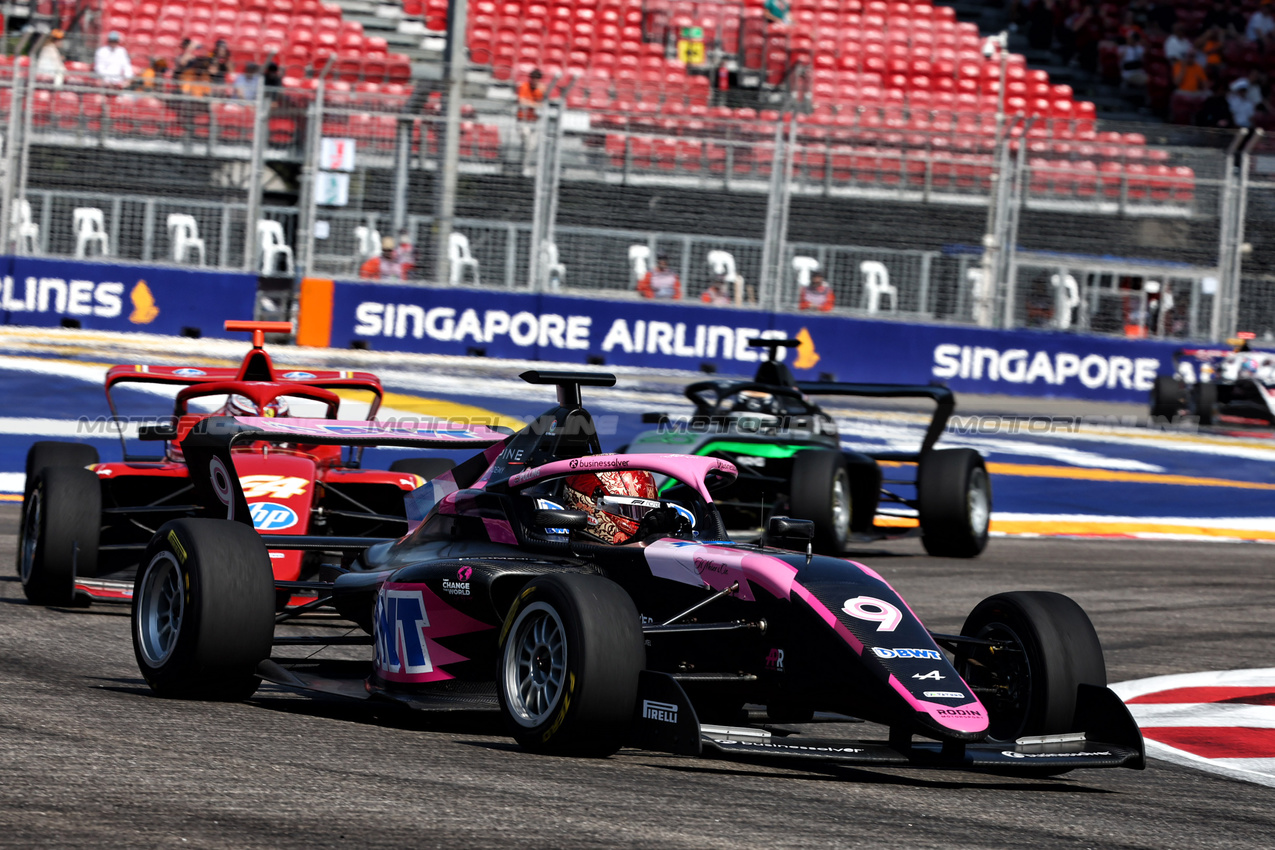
(203, 610)
(570, 654)
(61, 524)
(821, 493)
(954, 495)
(1167, 396)
(1048, 647)
(1206, 403)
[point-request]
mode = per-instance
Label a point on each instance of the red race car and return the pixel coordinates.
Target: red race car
(85, 524)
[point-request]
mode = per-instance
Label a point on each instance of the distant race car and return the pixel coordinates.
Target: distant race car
(555, 585)
(1219, 384)
(85, 524)
(791, 462)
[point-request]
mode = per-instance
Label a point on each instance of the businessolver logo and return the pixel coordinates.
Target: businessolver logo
(144, 308)
(807, 357)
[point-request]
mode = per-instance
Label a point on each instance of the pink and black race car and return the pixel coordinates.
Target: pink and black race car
(594, 608)
(85, 524)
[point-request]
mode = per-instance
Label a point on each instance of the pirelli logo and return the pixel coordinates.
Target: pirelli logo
(665, 712)
(178, 549)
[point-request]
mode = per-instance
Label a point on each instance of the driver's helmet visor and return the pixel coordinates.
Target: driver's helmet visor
(629, 507)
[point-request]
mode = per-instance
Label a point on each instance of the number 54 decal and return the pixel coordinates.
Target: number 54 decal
(874, 610)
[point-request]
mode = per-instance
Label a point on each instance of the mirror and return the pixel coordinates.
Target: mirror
(782, 526)
(570, 520)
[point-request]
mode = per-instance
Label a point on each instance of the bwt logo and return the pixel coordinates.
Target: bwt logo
(665, 712)
(272, 516)
(399, 624)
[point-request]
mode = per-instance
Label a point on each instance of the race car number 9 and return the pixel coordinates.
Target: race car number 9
(885, 615)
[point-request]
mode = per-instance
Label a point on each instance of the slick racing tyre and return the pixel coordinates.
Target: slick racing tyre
(1206, 403)
(426, 467)
(1029, 683)
(954, 497)
(52, 453)
(571, 650)
(203, 610)
(59, 533)
(1168, 396)
(821, 493)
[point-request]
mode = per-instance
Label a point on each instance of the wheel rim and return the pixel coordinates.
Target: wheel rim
(161, 604)
(841, 507)
(535, 662)
(1002, 679)
(977, 502)
(30, 535)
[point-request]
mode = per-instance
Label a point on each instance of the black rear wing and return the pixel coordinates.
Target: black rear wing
(944, 404)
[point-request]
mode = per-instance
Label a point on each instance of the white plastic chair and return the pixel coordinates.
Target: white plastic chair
(460, 258)
(273, 248)
(639, 261)
(1066, 299)
(183, 236)
(722, 263)
(876, 283)
(25, 232)
(90, 229)
(804, 267)
(367, 243)
(554, 272)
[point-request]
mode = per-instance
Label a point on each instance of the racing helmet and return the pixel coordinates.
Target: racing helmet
(757, 401)
(615, 501)
(241, 405)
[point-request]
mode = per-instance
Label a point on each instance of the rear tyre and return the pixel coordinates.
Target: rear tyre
(203, 610)
(1206, 403)
(426, 467)
(59, 533)
(1029, 687)
(1167, 396)
(52, 453)
(821, 493)
(954, 495)
(570, 654)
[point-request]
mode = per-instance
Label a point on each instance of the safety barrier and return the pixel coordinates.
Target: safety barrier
(683, 335)
(109, 297)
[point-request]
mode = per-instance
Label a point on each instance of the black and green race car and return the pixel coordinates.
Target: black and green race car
(791, 463)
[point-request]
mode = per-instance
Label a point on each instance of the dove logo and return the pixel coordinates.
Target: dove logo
(144, 309)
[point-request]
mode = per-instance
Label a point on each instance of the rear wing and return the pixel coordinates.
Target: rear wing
(212, 472)
(944, 404)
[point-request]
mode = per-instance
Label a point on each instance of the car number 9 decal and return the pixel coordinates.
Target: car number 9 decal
(874, 610)
(222, 488)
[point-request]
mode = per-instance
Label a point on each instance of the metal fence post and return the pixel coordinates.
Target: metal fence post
(28, 114)
(308, 210)
(260, 129)
(1244, 165)
(449, 162)
(1226, 239)
(10, 164)
(768, 280)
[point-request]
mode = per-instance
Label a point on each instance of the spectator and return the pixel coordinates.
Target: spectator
(187, 53)
(1261, 23)
(1226, 20)
(195, 80)
(1210, 44)
(272, 78)
(818, 295)
(1190, 74)
(1238, 101)
(1178, 46)
(1140, 13)
(153, 77)
(219, 68)
(404, 256)
(382, 267)
(530, 95)
(660, 283)
(1215, 112)
(111, 63)
(49, 62)
(1133, 74)
(716, 293)
(248, 84)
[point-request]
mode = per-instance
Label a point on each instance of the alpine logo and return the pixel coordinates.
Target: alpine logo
(189, 373)
(297, 376)
(272, 516)
(665, 712)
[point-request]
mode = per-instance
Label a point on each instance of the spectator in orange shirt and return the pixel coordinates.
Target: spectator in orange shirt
(660, 283)
(818, 295)
(531, 94)
(1189, 73)
(716, 293)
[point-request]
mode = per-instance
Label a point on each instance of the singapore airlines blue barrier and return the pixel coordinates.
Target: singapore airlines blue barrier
(684, 335)
(110, 297)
